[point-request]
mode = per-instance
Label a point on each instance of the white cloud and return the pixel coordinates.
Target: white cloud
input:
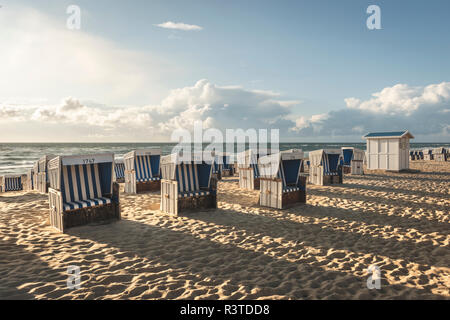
(232, 107)
(216, 106)
(422, 110)
(179, 26)
(402, 99)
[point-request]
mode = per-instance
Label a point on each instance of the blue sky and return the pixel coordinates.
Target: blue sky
(313, 54)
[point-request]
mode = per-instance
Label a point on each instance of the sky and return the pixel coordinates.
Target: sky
(135, 71)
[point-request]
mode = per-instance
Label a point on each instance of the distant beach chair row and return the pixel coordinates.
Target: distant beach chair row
(11, 183)
(428, 154)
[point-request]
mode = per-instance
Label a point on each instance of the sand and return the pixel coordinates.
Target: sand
(321, 250)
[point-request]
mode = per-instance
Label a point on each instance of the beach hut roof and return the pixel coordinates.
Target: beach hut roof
(391, 134)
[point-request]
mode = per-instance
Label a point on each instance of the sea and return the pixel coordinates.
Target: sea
(17, 158)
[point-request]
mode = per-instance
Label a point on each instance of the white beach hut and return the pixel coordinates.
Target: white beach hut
(352, 160)
(325, 166)
(281, 183)
(388, 150)
(142, 172)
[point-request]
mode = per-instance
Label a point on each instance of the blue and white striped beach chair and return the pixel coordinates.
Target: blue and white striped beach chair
(187, 184)
(280, 181)
(142, 172)
(352, 160)
(248, 168)
(428, 154)
(119, 171)
(82, 190)
(11, 183)
(325, 166)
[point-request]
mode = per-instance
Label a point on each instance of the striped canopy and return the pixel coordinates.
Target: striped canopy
(119, 170)
(328, 158)
(145, 163)
(84, 181)
(285, 165)
(193, 177)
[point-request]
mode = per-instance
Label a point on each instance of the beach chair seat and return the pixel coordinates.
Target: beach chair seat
(82, 190)
(86, 203)
(291, 189)
(193, 194)
(142, 170)
(148, 179)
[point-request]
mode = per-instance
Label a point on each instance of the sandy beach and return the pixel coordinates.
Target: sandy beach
(397, 221)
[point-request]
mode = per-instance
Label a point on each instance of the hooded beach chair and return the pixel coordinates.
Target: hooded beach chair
(187, 184)
(142, 170)
(281, 183)
(325, 167)
(428, 154)
(11, 183)
(82, 190)
(42, 181)
(227, 165)
(352, 160)
(119, 171)
(248, 168)
(440, 154)
(223, 167)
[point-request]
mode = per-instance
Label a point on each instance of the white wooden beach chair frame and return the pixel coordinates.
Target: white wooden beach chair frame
(356, 166)
(137, 182)
(249, 175)
(275, 192)
(42, 181)
(185, 194)
(320, 173)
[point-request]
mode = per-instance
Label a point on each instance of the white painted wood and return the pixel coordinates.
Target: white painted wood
(388, 153)
(246, 178)
(169, 196)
